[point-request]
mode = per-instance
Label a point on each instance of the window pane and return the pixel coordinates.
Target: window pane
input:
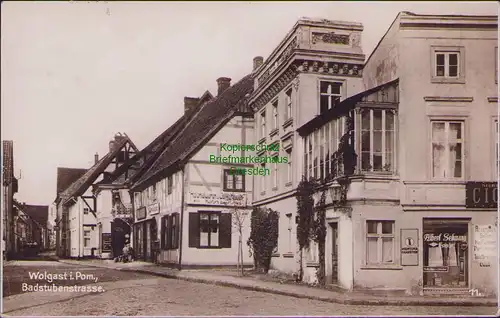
(334, 100)
(456, 160)
(453, 59)
(440, 71)
(455, 131)
(387, 250)
(438, 157)
(239, 182)
(324, 87)
(389, 121)
(377, 119)
(371, 227)
(204, 239)
(439, 59)
(336, 88)
(438, 132)
(229, 180)
(214, 239)
(371, 250)
(365, 120)
(365, 161)
(389, 141)
(387, 227)
(214, 219)
(453, 71)
(365, 141)
(377, 141)
(377, 162)
(323, 103)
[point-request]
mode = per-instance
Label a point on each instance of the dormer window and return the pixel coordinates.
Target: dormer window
(330, 94)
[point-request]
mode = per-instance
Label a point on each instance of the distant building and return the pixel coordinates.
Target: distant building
(10, 187)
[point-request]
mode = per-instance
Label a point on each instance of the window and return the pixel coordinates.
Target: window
(86, 238)
(275, 115)
(315, 154)
(173, 231)
(209, 230)
(263, 178)
(447, 149)
(447, 64)
(377, 139)
(263, 124)
(309, 157)
(165, 244)
(170, 231)
(138, 199)
(322, 153)
(330, 94)
(153, 193)
(288, 104)
(233, 181)
(496, 158)
(85, 210)
(289, 171)
(289, 218)
(379, 242)
(170, 184)
(275, 172)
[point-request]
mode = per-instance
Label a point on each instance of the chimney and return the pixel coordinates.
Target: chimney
(257, 62)
(96, 157)
(190, 103)
(223, 84)
(111, 145)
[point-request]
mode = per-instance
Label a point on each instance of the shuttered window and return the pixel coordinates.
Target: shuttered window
(210, 230)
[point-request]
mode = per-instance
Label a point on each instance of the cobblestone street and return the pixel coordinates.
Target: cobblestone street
(128, 294)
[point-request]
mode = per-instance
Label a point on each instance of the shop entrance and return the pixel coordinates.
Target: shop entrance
(446, 253)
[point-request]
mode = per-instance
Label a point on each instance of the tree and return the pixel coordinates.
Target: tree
(239, 216)
(263, 237)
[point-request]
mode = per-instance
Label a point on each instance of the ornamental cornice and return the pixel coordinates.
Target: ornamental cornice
(305, 66)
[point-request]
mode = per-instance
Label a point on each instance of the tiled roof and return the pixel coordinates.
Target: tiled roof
(146, 157)
(83, 183)
(208, 119)
(66, 176)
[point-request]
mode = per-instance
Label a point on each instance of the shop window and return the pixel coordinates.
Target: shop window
(380, 242)
(210, 230)
(233, 181)
(447, 149)
(445, 253)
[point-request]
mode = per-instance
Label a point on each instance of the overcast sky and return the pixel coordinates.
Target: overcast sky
(74, 74)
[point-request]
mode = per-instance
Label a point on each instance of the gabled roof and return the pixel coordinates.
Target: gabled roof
(146, 157)
(81, 185)
(66, 176)
(208, 119)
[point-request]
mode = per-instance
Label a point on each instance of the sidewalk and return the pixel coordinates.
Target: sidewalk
(299, 291)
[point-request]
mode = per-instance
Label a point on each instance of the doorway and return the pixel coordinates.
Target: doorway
(335, 253)
(120, 230)
(446, 253)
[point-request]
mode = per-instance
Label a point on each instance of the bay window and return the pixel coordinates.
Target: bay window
(377, 139)
(447, 149)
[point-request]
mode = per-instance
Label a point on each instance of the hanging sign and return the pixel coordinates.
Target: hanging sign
(409, 247)
(141, 213)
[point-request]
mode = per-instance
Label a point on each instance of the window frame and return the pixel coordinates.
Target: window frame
(225, 174)
(289, 167)
(263, 178)
(87, 237)
(447, 121)
(210, 213)
(329, 95)
(288, 103)
(275, 111)
(359, 142)
(263, 129)
(275, 172)
(460, 50)
(380, 237)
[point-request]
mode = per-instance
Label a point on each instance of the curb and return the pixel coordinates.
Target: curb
(347, 301)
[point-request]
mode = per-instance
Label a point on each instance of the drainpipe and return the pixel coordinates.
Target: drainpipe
(181, 232)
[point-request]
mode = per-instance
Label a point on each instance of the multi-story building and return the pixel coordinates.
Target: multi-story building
(185, 203)
(421, 198)
(318, 64)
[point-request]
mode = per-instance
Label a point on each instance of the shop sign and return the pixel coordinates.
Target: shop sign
(485, 243)
(444, 237)
(106, 242)
(232, 199)
(409, 247)
(154, 208)
(435, 269)
(481, 195)
(141, 213)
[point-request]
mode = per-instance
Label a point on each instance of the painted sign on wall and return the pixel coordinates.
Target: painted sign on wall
(481, 195)
(409, 247)
(231, 199)
(485, 244)
(141, 213)
(106, 242)
(154, 208)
